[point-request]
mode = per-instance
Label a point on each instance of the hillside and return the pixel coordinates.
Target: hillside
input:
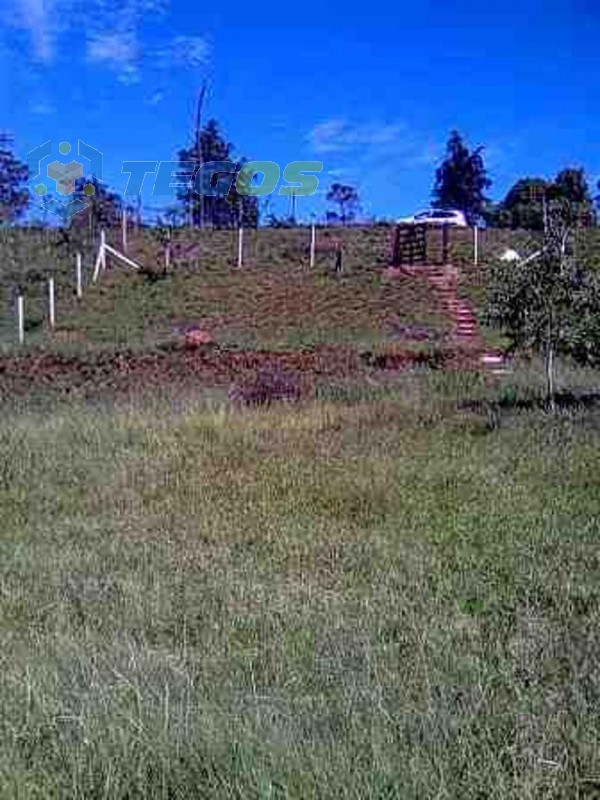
(131, 326)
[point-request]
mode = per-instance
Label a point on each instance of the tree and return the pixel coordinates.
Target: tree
(244, 206)
(549, 299)
(571, 184)
(14, 195)
(104, 209)
(523, 206)
(461, 180)
(346, 197)
(216, 211)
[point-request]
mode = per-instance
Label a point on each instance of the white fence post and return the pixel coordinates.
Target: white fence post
(79, 277)
(103, 250)
(240, 246)
(51, 307)
(313, 244)
(101, 258)
(124, 228)
(20, 319)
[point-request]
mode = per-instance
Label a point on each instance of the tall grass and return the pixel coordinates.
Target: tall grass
(380, 599)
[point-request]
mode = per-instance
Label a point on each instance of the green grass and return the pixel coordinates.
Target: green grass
(274, 300)
(380, 593)
(380, 598)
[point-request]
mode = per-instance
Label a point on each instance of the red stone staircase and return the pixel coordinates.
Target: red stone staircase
(465, 333)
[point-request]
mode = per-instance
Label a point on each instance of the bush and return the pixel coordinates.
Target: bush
(266, 386)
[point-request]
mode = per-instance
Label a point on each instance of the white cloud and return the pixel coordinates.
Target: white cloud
(40, 19)
(119, 47)
(188, 51)
(119, 50)
(114, 37)
(361, 147)
(337, 135)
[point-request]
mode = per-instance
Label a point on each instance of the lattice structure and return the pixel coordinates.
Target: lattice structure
(410, 245)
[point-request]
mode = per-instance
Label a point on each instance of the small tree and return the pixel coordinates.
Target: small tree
(104, 209)
(461, 180)
(346, 197)
(544, 300)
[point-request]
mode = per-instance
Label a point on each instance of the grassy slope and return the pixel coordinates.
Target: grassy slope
(339, 601)
(377, 598)
(276, 301)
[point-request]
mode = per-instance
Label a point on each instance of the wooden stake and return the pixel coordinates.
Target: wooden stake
(445, 241)
(51, 308)
(20, 319)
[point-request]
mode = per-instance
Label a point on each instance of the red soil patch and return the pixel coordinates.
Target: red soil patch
(185, 367)
(124, 371)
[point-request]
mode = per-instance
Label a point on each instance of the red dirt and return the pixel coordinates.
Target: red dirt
(202, 366)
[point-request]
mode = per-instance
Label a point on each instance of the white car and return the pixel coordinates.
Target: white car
(436, 216)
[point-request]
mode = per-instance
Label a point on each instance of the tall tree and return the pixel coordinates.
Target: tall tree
(224, 211)
(461, 180)
(199, 221)
(548, 300)
(346, 198)
(14, 195)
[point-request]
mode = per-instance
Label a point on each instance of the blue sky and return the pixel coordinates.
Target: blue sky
(371, 91)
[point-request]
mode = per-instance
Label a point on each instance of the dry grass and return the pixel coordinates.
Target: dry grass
(376, 599)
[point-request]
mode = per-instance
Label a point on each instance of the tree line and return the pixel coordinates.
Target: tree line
(105, 207)
(461, 182)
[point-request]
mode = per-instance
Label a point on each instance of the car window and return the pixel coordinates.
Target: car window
(422, 215)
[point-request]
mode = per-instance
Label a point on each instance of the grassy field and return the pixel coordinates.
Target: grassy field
(389, 590)
(274, 302)
(336, 600)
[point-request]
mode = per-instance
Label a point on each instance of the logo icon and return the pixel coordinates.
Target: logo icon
(63, 176)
